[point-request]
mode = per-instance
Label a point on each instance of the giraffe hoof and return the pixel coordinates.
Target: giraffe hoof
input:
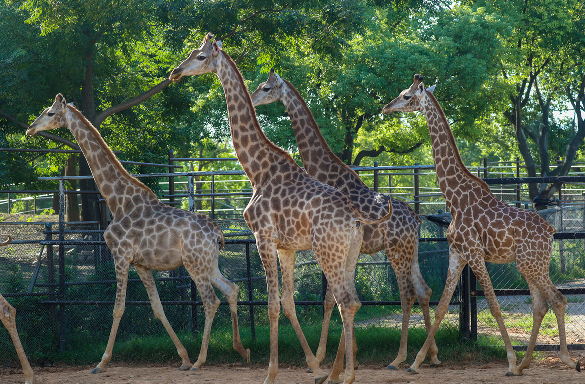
(412, 370)
(194, 369)
(510, 374)
(321, 379)
(434, 365)
(98, 370)
(334, 382)
(184, 367)
(391, 367)
(578, 367)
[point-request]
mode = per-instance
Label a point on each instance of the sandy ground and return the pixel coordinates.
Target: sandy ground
(546, 371)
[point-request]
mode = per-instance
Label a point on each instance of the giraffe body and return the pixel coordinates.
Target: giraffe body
(398, 236)
(148, 234)
(8, 317)
(288, 211)
(484, 229)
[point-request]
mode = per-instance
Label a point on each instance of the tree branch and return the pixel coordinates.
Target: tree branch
(253, 15)
(130, 103)
(46, 135)
(375, 152)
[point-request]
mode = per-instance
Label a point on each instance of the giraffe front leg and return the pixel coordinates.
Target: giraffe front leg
(407, 298)
(8, 317)
(477, 265)
(287, 263)
(149, 284)
(328, 306)
(456, 264)
(122, 282)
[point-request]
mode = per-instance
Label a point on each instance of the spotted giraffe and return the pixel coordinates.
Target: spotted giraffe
(398, 236)
(148, 234)
(8, 317)
(288, 211)
(484, 229)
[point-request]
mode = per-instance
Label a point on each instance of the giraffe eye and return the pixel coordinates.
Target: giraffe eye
(406, 97)
(51, 114)
(266, 89)
(201, 57)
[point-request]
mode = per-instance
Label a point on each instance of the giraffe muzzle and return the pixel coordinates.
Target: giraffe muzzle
(31, 131)
(176, 74)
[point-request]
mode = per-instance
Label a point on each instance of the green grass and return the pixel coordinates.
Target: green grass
(522, 321)
(378, 346)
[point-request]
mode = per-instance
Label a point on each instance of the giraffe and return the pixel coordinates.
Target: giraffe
(484, 229)
(288, 211)
(148, 234)
(8, 317)
(397, 236)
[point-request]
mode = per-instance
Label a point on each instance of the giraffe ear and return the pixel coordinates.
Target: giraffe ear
(431, 89)
(61, 99)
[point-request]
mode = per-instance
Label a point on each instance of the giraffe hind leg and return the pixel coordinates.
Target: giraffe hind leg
(230, 291)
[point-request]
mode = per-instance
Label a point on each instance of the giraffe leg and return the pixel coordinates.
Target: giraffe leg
(456, 264)
(8, 317)
(423, 293)
(477, 265)
(122, 282)
(328, 305)
(407, 298)
(287, 261)
(210, 305)
(539, 309)
(558, 302)
(148, 281)
(267, 252)
(230, 291)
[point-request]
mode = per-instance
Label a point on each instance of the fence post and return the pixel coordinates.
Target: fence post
(51, 279)
(485, 169)
(473, 305)
(518, 205)
(8, 203)
(191, 194)
(212, 197)
(250, 291)
(375, 177)
(62, 330)
(416, 188)
(171, 180)
(464, 306)
(389, 184)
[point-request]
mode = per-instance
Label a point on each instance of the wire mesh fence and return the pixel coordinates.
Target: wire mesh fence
(63, 303)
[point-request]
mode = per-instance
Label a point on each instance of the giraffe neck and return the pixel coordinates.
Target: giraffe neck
(319, 160)
(255, 152)
(116, 185)
(454, 178)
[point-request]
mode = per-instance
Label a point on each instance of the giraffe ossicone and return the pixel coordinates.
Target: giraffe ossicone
(148, 234)
(288, 211)
(484, 229)
(397, 236)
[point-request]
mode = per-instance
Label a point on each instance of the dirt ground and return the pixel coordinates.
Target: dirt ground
(545, 371)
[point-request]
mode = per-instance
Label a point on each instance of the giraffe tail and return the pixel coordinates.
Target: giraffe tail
(7, 241)
(368, 220)
(221, 239)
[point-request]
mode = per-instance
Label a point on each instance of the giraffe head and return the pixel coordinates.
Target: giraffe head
(51, 118)
(269, 91)
(411, 99)
(199, 61)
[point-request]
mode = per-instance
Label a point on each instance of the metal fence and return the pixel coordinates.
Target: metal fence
(61, 279)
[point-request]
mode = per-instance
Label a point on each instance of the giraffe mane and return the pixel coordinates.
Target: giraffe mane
(248, 99)
(93, 130)
(318, 132)
(481, 183)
